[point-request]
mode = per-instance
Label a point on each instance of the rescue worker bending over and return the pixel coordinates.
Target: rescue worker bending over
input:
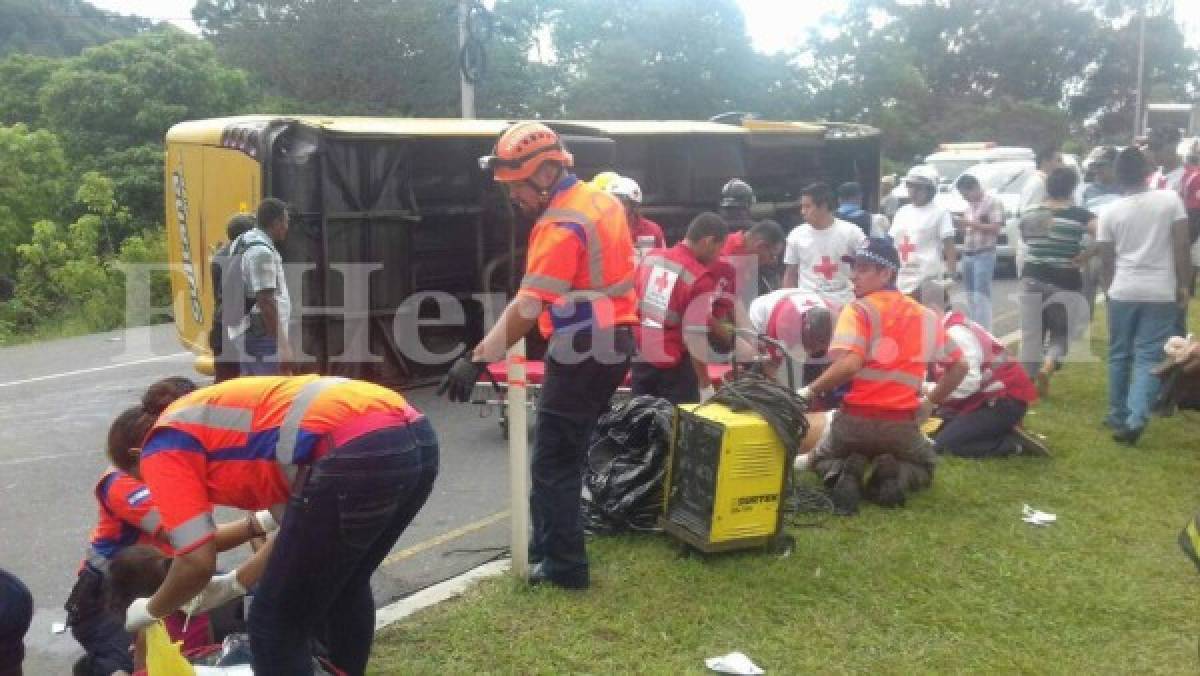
(752, 258)
(344, 465)
(983, 414)
(127, 515)
(675, 288)
(882, 346)
(799, 319)
(578, 288)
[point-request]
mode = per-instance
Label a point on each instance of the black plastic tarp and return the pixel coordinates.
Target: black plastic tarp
(622, 485)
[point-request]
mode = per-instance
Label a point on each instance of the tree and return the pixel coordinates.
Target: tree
(63, 278)
(113, 104)
(394, 57)
(33, 184)
(22, 77)
(59, 27)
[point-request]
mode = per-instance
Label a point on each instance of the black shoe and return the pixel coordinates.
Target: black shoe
(847, 492)
(884, 487)
(538, 577)
(1127, 436)
(1029, 443)
(890, 494)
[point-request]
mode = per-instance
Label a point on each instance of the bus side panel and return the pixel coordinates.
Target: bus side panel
(185, 243)
(205, 187)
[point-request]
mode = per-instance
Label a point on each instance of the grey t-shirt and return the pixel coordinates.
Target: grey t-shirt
(262, 269)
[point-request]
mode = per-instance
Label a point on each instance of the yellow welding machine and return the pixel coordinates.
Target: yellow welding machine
(725, 479)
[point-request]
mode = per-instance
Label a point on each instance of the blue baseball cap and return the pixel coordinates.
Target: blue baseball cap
(877, 250)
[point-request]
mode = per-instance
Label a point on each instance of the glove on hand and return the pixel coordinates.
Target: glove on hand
(460, 379)
(266, 521)
(220, 590)
(138, 616)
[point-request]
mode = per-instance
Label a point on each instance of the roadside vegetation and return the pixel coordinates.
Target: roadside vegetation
(954, 583)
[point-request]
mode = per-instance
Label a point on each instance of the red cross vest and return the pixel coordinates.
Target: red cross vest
(666, 281)
(1000, 376)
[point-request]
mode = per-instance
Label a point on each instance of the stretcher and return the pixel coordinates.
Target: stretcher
(490, 393)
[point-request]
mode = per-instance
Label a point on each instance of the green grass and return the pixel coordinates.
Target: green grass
(955, 582)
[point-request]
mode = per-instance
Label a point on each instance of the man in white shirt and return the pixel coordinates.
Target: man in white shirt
(1033, 193)
(797, 318)
(1143, 241)
(923, 234)
(814, 252)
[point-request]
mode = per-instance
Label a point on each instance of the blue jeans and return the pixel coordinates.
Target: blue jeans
(352, 508)
(260, 356)
(977, 272)
(1136, 334)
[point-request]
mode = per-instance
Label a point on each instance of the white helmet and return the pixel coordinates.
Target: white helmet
(626, 187)
(922, 174)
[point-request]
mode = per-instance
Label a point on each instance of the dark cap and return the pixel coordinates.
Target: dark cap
(877, 250)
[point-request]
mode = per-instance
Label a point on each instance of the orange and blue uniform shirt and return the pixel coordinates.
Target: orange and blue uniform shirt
(581, 261)
(126, 516)
(898, 339)
(240, 443)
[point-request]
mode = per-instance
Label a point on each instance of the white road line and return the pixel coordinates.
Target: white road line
(95, 369)
(40, 458)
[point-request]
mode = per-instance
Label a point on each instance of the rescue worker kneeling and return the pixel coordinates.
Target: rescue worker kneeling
(982, 417)
(882, 346)
(675, 287)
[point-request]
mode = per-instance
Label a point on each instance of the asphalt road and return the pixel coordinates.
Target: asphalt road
(57, 399)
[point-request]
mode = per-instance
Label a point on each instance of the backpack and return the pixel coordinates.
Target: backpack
(228, 257)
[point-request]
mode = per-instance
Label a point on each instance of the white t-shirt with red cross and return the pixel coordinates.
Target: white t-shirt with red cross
(918, 233)
(770, 306)
(817, 255)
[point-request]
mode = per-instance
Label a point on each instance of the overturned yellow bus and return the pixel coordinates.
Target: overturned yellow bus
(405, 196)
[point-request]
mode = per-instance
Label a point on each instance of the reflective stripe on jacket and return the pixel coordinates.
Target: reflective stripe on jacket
(898, 338)
(1000, 376)
(581, 261)
(666, 288)
(238, 443)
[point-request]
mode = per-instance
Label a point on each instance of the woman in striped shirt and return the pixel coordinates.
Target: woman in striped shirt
(1052, 280)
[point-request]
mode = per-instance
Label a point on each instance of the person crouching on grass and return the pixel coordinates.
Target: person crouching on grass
(882, 345)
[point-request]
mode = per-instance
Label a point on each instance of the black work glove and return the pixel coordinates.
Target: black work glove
(459, 381)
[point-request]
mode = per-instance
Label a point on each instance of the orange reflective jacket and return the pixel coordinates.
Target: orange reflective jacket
(898, 338)
(581, 261)
(238, 443)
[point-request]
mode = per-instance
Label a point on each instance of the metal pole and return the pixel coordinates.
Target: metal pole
(467, 89)
(1137, 110)
(518, 462)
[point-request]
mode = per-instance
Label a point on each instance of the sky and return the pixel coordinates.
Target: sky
(773, 24)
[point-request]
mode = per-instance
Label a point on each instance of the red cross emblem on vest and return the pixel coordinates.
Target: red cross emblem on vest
(660, 284)
(906, 248)
(826, 268)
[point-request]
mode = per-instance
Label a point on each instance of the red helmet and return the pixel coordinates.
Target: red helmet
(522, 149)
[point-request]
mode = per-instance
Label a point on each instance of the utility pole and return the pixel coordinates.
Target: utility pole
(1137, 110)
(467, 88)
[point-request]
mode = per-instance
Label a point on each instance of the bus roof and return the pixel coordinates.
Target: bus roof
(210, 131)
